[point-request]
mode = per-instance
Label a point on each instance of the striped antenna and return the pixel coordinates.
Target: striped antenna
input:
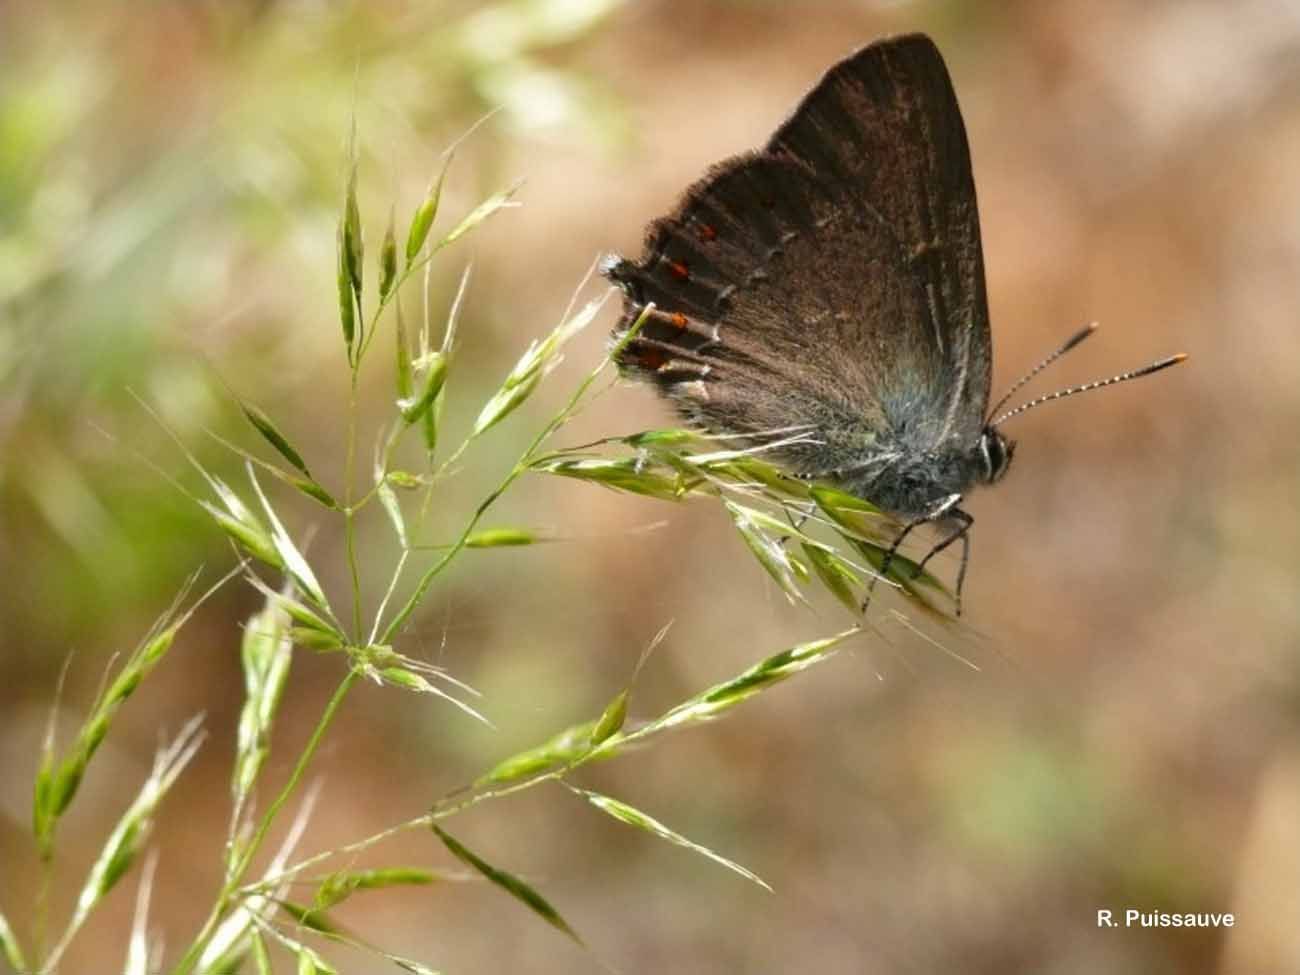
(1172, 360)
(1070, 343)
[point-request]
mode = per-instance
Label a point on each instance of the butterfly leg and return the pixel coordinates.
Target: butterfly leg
(797, 524)
(965, 558)
(887, 560)
(803, 517)
(941, 510)
(962, 532)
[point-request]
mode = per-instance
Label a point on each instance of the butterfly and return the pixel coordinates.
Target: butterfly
(833, 281)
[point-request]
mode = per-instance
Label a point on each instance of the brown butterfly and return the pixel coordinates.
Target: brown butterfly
(833, 281)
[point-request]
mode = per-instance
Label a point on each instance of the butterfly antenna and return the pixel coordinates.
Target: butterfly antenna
(1123, 377)
(1070, 343)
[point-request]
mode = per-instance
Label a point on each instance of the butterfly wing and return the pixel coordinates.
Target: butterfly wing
(833, 279)
(885, 123)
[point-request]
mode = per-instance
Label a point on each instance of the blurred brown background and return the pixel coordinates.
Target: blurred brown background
(169, 182)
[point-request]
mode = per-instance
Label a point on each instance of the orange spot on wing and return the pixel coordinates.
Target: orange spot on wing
(708, 232)
(649, 359)
(679, 270)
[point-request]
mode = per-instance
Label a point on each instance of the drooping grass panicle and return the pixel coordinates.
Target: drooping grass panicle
(796, 534)
(128, 837)
(58, 780)
(767, 507)
(720, 698)
(569, 750)
(572, 748)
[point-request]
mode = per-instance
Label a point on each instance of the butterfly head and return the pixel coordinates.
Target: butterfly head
(995, 452)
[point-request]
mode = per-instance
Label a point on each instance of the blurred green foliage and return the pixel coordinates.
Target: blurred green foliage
(169, 178)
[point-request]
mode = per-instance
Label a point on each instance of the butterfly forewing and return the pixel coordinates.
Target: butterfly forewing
(884, 126)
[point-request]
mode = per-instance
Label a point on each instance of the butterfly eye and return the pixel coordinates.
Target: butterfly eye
(996, 452)
(1008, 452)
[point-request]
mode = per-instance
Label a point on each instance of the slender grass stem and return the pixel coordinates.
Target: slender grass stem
(388, 593)
(269, 883)
(349, 512)
(42, 922)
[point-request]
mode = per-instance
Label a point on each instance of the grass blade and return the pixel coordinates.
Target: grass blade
(264, 425)
(634, 817)
(508, 882)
